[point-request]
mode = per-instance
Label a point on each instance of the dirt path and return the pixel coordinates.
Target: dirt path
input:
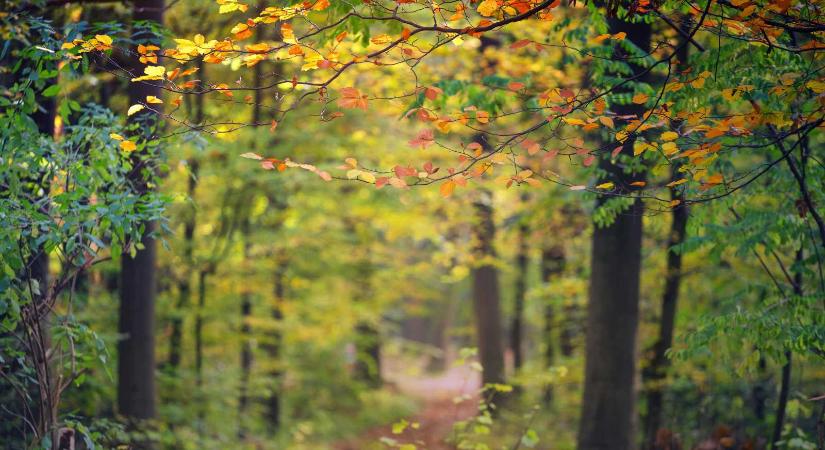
(438, 410)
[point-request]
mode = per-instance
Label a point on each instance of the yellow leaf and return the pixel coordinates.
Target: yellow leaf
(669, 136)
(677, 182)
(608, 185)
(600, 38)
(134, 109)
(606, 121)
(381, 39)
(368, 177)
(640, 98)
(447, 188)
(152, 73)
(816, 86)
(573, 121)
(153, 99)
(116, 136)
(669, 148)
(128, 146)
(103, 39)
(698, 83)
(487, 8)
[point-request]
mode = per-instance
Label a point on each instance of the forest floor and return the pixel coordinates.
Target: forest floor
(438, 411)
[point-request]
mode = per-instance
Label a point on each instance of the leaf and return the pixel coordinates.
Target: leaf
(579, 187)
(152, 73)
(367, 176)
(352, 98)
(134, 109)
(677, 182)
(424, 139)
(520, 44)
(669, 136)
(51, 91)
(116, 137)
(103, 39)
(487, 8)
(128, 146)
(447, 188)
(816, 86)
(607, 185)
(250, 155)
(640, 98)
(432, 92)
(153, 99)
(607, 121)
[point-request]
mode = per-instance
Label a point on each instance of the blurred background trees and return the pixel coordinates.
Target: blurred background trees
(160, 291)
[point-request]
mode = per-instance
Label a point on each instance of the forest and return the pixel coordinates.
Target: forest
(412, 224)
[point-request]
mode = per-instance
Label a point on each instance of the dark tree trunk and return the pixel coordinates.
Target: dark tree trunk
(368, 338)
(136, 349)
(274, 400)
(552, 265)
(368, 364)
(486, 293)
(246, 359)
(655, 373)
(785, 386)
(516, 325)
(608, 406)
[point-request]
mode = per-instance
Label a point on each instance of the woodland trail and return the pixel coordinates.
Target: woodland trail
(437, 414)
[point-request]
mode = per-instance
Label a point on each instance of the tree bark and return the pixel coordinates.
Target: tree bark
(274, 400)
(608, 407)
(368, 338)
(136, 349)
(656, 372)
(552, 265)
(516, 325)
(785, 386)
(486, 293)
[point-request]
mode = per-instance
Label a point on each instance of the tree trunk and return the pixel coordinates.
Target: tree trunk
(189, 223)
(656, 372)
(486, 293)
(608, 406)
(368, 338)
(246, 362)
(785, 386)
(136, 349)
(516, 326)
(274, 400)
(552, 265)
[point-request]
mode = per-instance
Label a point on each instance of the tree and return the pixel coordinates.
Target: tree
(607, 418)
(136, 349)
(486, 293)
